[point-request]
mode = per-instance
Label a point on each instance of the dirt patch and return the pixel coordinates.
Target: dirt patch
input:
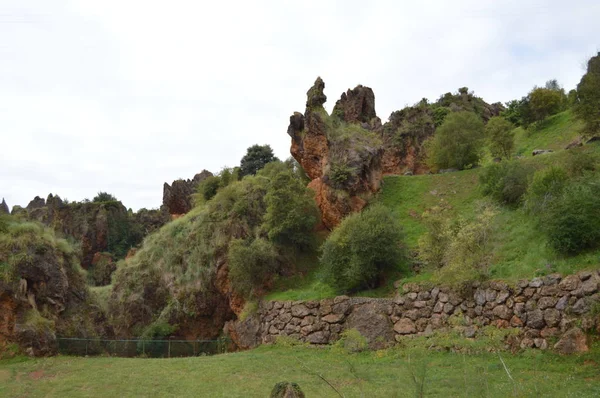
(38, 374)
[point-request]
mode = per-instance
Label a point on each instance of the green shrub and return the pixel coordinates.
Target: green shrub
(434, 243)
(546, 185)
(578, 162)
(291, 211)
(468, 252)
(572, 220)
(506, 182)
(362, 247)
(209, 186)
(457, 143)
(501, 137)
(587, 106)
(250, 264)
(340, 174)
(104, 197)
(351, 341)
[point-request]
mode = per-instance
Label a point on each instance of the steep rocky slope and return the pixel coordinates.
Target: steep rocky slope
(177, 197)
(42, 290)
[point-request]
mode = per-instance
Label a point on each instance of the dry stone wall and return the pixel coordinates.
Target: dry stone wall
(541, 308)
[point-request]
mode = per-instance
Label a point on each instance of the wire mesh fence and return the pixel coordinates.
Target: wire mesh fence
(142, 348)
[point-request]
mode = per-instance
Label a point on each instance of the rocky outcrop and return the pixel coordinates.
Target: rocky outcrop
(340, 153)
(4, 207)
(44, 294)
(177, 197)
(540, 309)
(100, 226)
(407, 129)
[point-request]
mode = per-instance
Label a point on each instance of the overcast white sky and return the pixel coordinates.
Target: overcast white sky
(123, 95)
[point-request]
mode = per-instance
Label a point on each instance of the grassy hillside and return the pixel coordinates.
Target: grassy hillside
(555, 133)
(386, 373)
(519, 250)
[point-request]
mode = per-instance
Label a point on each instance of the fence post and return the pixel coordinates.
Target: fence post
(169, 348)
(86, 346)
(194, 345)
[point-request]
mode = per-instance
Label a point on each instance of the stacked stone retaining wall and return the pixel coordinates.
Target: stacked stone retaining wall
(541, 308)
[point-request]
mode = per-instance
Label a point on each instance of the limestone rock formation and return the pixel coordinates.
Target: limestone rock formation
(339, 155)
(177, 197)
(4, 207)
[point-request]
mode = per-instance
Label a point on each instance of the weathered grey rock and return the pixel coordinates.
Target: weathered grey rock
(405, 326)
(580, 307)
(333, 318)
(536, 282)
(535, 319)
(537, 152)
(570, 282)
(546, 302)
(443, 297)
(448, 308)
(419, 304)
(470, 331)
(585, 275)
(590, 286)
(300, 310)
(320, 337)
(573, 341)
(490, 294)
(480, 297)
(439, 307)
(552, 317)
(502, 312)
(502, 296)
(372, 321)
(540, 343)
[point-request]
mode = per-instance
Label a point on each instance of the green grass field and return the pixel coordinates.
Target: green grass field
(389, 373)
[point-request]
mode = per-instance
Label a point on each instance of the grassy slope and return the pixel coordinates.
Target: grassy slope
(557, 131)
(520, 250)
(373, 374)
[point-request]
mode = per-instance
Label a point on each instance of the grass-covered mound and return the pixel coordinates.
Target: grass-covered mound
(42, 289)
(197, 271)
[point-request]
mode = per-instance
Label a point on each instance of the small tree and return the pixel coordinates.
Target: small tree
(587, 107)
(251, 264)
(255, 159)
(104, 197)
(457, 143)
(501, 136)
(545, 102)
(361, 248)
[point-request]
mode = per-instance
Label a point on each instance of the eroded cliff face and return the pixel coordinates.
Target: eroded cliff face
(341, 153)
(177, 197)
(101, 227)
(44, 294)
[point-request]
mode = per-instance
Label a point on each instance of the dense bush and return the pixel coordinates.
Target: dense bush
(209, 186)
(587, 105)
(251, 264)
(545, 186)
(361, 248)
(572, 220)
(104, 197)
(501, 137)
(458, 248)
(544, 102)
(457, 143)
(506, 182)
(291, 211)
(578, 162)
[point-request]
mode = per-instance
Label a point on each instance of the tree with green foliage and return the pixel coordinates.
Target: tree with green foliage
(104, 197)
(514, 111)
(361, 248)
(257, 156)
(501, 137)
(209, 186)
(545, 102)
(587, 107)
(572, 220)
(251, 263)
(505, 182)
(291, 211)
(457, 143)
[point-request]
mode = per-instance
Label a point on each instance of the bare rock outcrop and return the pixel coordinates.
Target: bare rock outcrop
(4, 207)
(177, 197)
(339, 153)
